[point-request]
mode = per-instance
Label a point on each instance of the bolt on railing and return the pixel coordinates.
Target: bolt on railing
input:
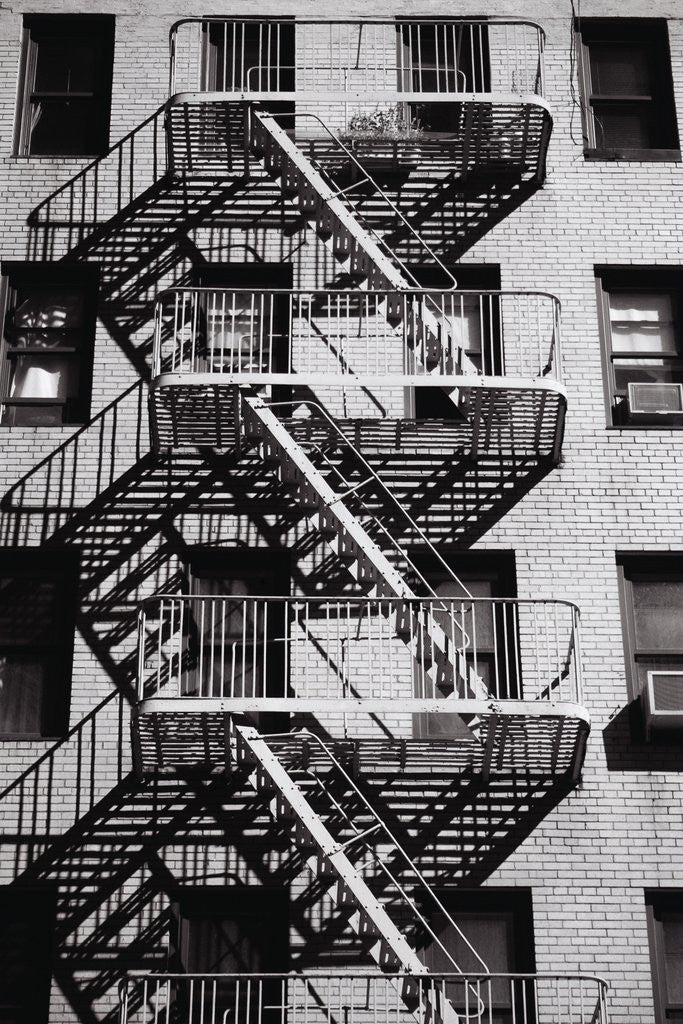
(253, 650)
(271, 334)
(362, 998)
(435, 57)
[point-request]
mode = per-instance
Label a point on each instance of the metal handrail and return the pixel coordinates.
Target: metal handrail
(481, 24)
(204, 646)
(181, 305)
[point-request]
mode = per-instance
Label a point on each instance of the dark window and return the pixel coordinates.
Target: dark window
(37, 609)
(236, 930)
(492, 628)
(442, 57)
(665, 930)
(642, 331)
(627, 88)
(498, 924)
(235, 646)
(479, 320)
(47, 344)
(27, 925)
(652, 595)
(256, 323)
(66, 94)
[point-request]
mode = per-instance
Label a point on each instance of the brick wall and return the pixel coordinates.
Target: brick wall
(118, 849)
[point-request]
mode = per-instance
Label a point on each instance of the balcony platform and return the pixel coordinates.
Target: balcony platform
(504, 135)
(175, 736)
(515, 415)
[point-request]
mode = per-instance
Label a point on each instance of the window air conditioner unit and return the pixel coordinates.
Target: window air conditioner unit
(663, 700)
(655, 399)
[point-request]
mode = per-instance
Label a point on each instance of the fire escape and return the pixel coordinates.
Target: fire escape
(494, 684)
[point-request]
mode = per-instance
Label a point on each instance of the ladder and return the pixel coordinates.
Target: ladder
(327, 510)
(332, 860)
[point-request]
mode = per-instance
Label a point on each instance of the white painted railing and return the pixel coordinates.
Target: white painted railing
(252, 336)
(437, 58)
(366, 998)
(260, 653)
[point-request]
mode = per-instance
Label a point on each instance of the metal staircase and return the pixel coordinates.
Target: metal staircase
(353, 542)
(362, 251)
(333, 860)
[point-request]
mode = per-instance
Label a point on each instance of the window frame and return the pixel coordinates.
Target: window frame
(515, 905)
(85, 278)
(101, 36)
(657, 566)
(62, 566)
(653, 32)
(658, 901)
(645, 279)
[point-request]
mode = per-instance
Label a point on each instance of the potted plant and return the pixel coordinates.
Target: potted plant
(384, 137)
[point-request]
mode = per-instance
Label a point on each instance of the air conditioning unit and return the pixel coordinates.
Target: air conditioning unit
(663, 700)
(655, 400)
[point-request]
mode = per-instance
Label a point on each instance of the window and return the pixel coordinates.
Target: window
(498, 923)
(640, 311)
(47, 344)
(234, 644)
(627, 90)
(477, 321)
(442, 57)
(652, 598)
(233, 930)
(66, 85)
(665, 932)
(37, 612)
(484, 574)
(27, 926)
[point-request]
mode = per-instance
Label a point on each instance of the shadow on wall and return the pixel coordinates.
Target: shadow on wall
(627, 749)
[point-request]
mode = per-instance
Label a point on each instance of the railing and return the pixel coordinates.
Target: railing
(437, 58)
(252, 336)
(356, 998)
(289, 653)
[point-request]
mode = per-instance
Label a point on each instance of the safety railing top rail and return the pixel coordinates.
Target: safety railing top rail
(269, 334)
(358, 998)
(312, 650)
(435, 57)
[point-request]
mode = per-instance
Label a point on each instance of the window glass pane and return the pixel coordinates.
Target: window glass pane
(66, 64)
(61, 127)
(624, 125)
(48, 307)
(52, 377)
(489, 934)
(22, 677)
(642, 321)
(27, 610)
(672, 935)
(620, 69)
(646, 371)
(658, 613)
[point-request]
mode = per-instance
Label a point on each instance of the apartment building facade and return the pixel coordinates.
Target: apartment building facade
(341, 392)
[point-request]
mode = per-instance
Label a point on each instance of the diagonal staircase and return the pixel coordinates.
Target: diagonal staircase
(361, 250)
(332, 861)
(351, 540)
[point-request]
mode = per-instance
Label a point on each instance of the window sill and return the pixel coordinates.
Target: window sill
(672, 427)
(646, 156)
(57, 158)
(13, 737)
